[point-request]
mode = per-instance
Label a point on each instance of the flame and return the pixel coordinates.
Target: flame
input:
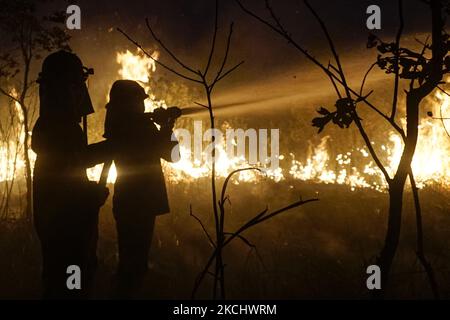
(12, 160)
(431, 162)
(355, 168)
(139, 67)
(136, 67)
(318, 166)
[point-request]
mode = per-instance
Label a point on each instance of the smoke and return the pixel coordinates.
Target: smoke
(297, 88)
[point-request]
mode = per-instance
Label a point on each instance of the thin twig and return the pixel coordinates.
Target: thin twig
(202, 225)
(157, 61)
(371, 149)
(420, 252)
(229, 71)
(333, 82)
(201, 105)
(235, 234)
(213, 45)
(263, 218)
(441, 117)
(8, 95)
(332, 47)
(230, 175)
(167, 50)
(397, 58)
(365, 77)
(225, 58)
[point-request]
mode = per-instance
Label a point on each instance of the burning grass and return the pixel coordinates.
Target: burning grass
(318, 161)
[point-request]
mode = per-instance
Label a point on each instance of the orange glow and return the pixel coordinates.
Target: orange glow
(355, 168)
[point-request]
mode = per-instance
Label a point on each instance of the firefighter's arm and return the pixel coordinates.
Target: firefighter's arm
(96, 153)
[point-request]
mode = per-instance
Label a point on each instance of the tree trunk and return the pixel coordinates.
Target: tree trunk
(28, 177)
(420, 246)
(396, 187)
(391, 241)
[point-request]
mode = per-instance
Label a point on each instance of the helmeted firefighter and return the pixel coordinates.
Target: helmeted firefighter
(139, 191)
(65, 202)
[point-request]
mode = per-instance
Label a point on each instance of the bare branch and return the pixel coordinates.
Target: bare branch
(167, 50)
(420, 252)
(283, 34)
(261, 217)
(441, 117)
(424, 48)
(245, 240)
(225, 58)
(202, 225)
(274, 17)
(438, 50)
(374, 108)
(213, 45)
(228, 72)
(333, 82)
(277, 212)
(424, 44)
(227, 179)
(371, 149)
(332, 47)
(443, 91)
(233, 235)
(223, 198)
(201, 105)
(157, 61)
(8, 95)
(365, 77)
(201, 275)
(397, 58)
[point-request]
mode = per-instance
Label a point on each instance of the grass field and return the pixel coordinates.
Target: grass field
(319, 250)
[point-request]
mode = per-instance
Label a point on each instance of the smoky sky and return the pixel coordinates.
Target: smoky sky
(186, 27)
(272, 68)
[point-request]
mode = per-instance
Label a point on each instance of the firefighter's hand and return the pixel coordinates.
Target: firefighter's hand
(170, 124)
(97, 194)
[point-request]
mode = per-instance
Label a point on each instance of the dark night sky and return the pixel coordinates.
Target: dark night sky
(188, 22)
(186, 26)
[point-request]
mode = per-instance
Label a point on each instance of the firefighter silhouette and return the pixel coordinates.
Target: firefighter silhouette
(65, 202)
(139, 191)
